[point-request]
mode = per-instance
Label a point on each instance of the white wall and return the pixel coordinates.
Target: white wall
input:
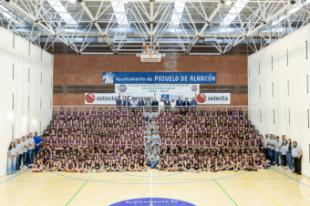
(284, 65)
(22, 65)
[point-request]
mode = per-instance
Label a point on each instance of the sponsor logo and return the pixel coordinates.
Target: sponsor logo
(90, 98)
(213, 98)
(122, 88)
(201, 98)
(194, 88)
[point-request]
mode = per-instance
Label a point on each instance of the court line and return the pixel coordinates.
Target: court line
(10, 178)
(78, 191)
(106, 181)
(227, 194)
(290, 177)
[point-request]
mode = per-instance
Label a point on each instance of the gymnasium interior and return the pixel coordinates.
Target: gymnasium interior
(155, 102)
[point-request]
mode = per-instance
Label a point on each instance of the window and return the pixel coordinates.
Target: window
(40, 103)
(13, 101)
(271, 63)
(13, 71)
(13, 43)
(260, 91)
(289, 117)
(259, 68)
(28, 75)
(288, 87)
(29, 48)
(28, 102)
(308, 113)
(12, 134)
(307, 77)
(41, 54)
(272, 89)
(273, 116)
(307, 50)
(287, 57)
(260, 115)
(249, 70)
(41, 78)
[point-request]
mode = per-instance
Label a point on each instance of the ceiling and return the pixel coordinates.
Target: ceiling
(195, 27)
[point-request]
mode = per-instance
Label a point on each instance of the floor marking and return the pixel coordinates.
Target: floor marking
(10, 178)
(78, 191)
(227, 194)
(112, 181)
(290, 177)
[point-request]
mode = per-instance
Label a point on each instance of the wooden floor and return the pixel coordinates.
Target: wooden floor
(274, 186)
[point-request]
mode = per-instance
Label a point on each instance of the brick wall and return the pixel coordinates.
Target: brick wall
(87, 70)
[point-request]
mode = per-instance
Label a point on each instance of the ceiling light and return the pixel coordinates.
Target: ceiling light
(62, 11)
(293, 10)
(177, 12)
(5, 12)
(228, 2)
(234, 12)
(119, 11)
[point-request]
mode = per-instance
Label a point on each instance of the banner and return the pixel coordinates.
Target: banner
(159, 91)
(100, 98)
(159, 78)
(213, 98)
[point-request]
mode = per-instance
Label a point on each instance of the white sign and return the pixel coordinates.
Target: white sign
(171, 91)
(100, 98)
(213, 98)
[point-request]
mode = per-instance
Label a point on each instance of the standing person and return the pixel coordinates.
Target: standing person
(155, 104)
(24, 149)
(186, 102)
(118, 101)
(289, 154)
(148, 104)
(265, 146)
(193, 102)
(30, 151)
(296, 154)
(277, 150)
(283, 153)
(38, 142)
(179, 102)
(272, 149)
(12, 154)
(19, 153)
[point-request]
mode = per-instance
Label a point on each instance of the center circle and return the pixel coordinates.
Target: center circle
(152, 202)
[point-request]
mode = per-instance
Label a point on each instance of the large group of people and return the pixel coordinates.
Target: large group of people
(96, 140)
(122, 139)
(209, 141)
(23, 151)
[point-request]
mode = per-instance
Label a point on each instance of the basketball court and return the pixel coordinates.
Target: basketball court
(155, 102)
(266, 187)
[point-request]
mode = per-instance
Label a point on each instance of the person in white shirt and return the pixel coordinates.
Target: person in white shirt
(19, 156)
(277, 150)
(31, 146)
(283, 153)
(265, 145)
(12, 153)
(289, 158)
(24, 149)
(296, 154)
